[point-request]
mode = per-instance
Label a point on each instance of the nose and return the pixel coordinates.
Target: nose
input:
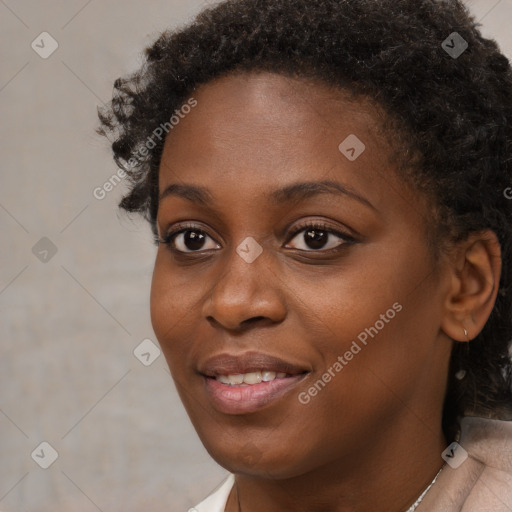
(245, 294)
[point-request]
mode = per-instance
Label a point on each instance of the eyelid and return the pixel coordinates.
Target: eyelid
(182, 227)
(346, 239)
(170, 236)
(320, 225)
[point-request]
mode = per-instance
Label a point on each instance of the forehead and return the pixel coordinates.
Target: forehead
(262, 103)
(262, 131)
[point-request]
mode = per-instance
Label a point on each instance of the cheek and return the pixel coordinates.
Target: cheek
(173, 308)
(374, 331)
(385, 354)
(160, 302)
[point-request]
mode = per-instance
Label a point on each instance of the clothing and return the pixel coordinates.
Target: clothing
(482, 483)
(216, 502)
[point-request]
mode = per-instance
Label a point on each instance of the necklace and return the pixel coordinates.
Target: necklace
(412, 508)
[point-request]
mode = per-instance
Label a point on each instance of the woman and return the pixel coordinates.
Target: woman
(326, 182)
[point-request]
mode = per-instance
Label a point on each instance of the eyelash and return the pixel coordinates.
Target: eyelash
(319, 226)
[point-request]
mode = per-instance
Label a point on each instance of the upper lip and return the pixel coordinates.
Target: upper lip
(231, 364)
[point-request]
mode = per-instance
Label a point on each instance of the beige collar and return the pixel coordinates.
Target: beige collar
(483, 482)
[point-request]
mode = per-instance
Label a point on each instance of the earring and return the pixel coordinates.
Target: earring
(466, 334)
(460, 374)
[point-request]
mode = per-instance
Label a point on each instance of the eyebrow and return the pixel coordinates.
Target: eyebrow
(294, 192)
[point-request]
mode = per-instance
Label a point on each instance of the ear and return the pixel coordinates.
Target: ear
(475, 269)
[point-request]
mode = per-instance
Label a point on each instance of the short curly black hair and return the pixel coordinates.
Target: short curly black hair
(452, 119)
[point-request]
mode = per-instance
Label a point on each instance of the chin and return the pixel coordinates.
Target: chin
(248, 459)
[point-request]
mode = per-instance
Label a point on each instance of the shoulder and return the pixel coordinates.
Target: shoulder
(478, 474)
(476, 478)
(216, 501)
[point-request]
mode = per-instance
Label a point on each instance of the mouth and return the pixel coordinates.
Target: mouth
(250, 378)
(241, 384)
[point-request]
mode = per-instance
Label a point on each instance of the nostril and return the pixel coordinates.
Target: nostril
(253, 319)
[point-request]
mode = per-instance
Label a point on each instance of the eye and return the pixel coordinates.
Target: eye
(316, 236)
(187, 239)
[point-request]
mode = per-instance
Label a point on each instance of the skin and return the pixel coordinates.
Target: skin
(372, 438)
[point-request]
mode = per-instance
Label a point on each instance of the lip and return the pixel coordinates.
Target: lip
(231, 364)
(244, 399)
(249, 398)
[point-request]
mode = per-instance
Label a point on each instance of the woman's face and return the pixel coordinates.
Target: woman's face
(298, 256)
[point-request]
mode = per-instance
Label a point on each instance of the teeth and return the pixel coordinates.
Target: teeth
(268, 376)
(224, 379)
(252, 378)
(249, 378)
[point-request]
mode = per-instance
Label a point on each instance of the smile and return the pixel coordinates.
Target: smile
(243, 398)
(251, 378)
(247, 382)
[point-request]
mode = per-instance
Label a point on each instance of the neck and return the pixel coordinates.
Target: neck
(389, 477)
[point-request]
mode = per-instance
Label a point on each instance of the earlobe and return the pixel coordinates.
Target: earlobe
(475, 275)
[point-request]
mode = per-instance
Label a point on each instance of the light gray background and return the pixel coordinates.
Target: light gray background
(69, 326)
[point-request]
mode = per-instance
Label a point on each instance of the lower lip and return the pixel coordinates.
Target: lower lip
(251, 398)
